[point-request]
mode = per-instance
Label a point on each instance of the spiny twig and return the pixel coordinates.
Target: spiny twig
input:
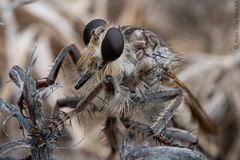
(43, 131)
(42, 138)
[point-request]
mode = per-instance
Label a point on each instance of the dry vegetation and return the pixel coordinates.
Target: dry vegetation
(202, 31)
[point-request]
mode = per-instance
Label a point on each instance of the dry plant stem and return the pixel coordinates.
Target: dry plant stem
(41, 136)
(15, 112)
(42, 133)
(41, 148)
(23, 143)
(144, 151)
(16, 3)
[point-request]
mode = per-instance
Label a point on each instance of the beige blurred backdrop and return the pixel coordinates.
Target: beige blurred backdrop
(204, 32)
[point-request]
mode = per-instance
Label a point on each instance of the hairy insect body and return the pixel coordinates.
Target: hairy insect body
(137, 71)
(126, 73)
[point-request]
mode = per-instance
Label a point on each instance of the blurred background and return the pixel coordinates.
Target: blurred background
(206, 33)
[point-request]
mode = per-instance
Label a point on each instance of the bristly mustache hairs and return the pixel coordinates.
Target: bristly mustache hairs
(130, 69)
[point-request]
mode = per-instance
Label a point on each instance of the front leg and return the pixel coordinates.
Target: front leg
(50, 79)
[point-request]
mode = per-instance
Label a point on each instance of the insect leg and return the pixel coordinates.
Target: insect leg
(169, 136)
(138, 127)
(157, 97)
(111, 131)
(82, 105)
(74, 54)
(71, 50)
(66, 102)
(181, 137)
(166, 116)
(144, 150)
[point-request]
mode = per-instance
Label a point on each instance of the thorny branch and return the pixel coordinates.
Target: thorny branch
(43, 132)
(42, 137)
(23, 143)
(14, 111)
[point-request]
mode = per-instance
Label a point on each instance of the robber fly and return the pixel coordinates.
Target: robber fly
(132, 68)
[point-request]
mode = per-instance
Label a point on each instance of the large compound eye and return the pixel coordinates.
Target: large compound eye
(89, 27)
(112, 45)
